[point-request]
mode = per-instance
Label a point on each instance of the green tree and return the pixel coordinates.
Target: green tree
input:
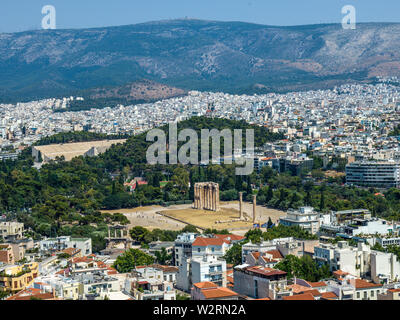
(234, 254)
(305, 268)
(162, 256)
(139, 234)
(132, 258)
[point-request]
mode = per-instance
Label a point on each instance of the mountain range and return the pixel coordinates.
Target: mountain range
(234, 57)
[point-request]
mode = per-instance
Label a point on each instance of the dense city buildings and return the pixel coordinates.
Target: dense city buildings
(339, 138)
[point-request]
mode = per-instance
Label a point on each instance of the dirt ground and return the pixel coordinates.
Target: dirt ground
(152, 217)
(147, 217)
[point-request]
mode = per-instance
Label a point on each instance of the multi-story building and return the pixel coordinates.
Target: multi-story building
(388, 241)
(383, 174)
(305, 218)
(15, 278)
(209, 268)
(183, 247)
(364, 290)
(368, 226)
(64, 242)
(260, 282)
(385, 268)
(10, 231)
(295, 166)
(6, 254)
(391, 294)
(159, 272)
(353, 260)
(205, 262)
(153, 289)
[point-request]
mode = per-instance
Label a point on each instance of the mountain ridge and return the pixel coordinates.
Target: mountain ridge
(192, 54)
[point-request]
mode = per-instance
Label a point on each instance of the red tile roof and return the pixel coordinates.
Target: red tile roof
(329, 295)
(30, 293)
(266, 271)
(218, 293)
(317, 284)
(229, 237)
(205, 285)
(314, 292)
(362, 284)
(256, 255)
(275, 254)
(204, 242)
(303, 296)
(297, 288)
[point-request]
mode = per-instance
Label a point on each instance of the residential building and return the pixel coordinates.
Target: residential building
(6, 254)
(153, 289)
(305, 218)
(385, 267)
(209, 268)
(64, 242)
(10, 231)
(15, 278)
(382, 174)
(391, 294)
(183, 247)
(260, 282)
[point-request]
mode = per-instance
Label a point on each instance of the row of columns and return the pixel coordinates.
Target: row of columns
(123, 233)
(206, 196)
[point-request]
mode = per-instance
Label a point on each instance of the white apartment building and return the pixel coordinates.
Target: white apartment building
(388, 241)
(262, 247)
(204, 263)
(368, 226)
(385, 267)
(183, 247)
(64, 242)
(360, 262)
(209, 268)
(305, 218)
(343, 257)
(355, 289)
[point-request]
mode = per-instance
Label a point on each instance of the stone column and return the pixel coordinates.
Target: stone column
(214, 199)
(241, 205)
(195, 197)
(201, 189)
(217, 207)
(209, 196)
(254, 208)
(207, 192)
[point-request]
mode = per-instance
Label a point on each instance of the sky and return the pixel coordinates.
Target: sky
(21, 15)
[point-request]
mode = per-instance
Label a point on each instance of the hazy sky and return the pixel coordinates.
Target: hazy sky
(20, 15)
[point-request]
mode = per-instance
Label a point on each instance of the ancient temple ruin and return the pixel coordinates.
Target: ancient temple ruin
(206, 196)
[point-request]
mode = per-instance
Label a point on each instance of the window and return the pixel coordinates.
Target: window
(358, 295)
